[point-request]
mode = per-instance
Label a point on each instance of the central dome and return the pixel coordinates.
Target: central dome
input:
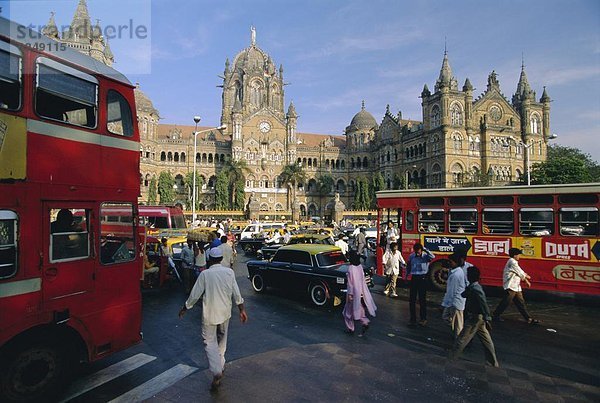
(363, 119)
(250, 58)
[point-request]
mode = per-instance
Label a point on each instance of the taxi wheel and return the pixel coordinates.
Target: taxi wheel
(258, 284)
(318, 294)
(438, 276)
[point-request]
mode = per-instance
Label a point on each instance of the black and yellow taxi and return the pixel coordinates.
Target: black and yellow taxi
(315, 269)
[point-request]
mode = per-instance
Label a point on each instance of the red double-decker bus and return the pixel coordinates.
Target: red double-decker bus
(556, 226)
(69, 158)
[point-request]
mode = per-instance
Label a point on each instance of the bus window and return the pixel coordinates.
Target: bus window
(431, 201)
(8, 243)
(463, 221)
(158, 222)
(536, 199)
(462, 201)
(497, 200)
(119, 114)
(536, 221)
(410, 220)
(431, 220)
(178, 221)
(65, 94)
(498, 221)
(69, 236)
(116, 233)
(578, 198)
(10, 77)
(579, 221)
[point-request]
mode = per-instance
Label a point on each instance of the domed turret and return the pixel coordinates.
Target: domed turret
(362, 120)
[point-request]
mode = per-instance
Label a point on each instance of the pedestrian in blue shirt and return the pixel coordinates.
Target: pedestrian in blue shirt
(417, 267)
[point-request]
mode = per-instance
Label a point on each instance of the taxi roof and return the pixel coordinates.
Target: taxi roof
(312, 248)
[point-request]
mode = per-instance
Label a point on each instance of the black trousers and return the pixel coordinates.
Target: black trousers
(418, 287)
(517, 298)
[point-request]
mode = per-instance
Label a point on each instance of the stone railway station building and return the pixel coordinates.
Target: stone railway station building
(463, 139)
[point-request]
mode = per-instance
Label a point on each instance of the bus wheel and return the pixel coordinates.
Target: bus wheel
(33, 372)
(438, 276)
(258, 283)
(318, 294)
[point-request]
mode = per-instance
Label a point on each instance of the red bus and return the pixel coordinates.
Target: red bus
(69, 157)
(163, 220)
(556, 226)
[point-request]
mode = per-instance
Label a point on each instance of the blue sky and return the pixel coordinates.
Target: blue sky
(336, 53)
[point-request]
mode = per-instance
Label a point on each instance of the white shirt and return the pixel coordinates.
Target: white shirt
(512, 276)
(454, 287)
(340, 243)
(392, 235)
(218, 289)
(286, 237)
(201, 259)
(392, 262)
(227, 255)
(275, 238)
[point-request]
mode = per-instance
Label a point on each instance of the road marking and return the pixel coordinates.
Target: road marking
(156, 384)
(105, 375)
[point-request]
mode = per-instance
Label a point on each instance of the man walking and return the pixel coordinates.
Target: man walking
(513, 274)
(187, 264)
(228, 254)
(454, 302)
(340, 243)
(418, 266)
(393, 262)
(478, 320)
(217, 288)
(361, 243)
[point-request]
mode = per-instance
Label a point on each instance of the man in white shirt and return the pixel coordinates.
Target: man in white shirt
(275, 238)
(512, 276)
(228, 255)
(340, 243)
(286, 236)
(391, 234)
(217, 288)
(393, 262)
(453, 302)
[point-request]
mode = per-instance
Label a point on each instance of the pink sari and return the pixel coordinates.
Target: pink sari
(357, 287)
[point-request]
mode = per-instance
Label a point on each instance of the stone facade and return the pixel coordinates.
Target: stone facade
(461, 140)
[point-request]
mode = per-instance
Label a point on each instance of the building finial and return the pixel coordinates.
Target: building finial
(252, 35)
(445, 45)
(522, 61)
(363, 105)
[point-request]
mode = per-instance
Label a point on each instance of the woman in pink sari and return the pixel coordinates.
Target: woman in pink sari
(358, 297)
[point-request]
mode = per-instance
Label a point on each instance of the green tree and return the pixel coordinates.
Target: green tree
(240, 195)
(398, 182)
(377, 184)
(362, 195)
(152, 192)
(236, 172)
(165, 187)
(222, 199)
(292, 174)
(189, 185)
(325, 184)
(565, 165)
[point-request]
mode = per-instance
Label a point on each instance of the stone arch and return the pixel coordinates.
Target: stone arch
(264, 207)
(176, 157)
(312, 186)
(458, 171)
(435, 116)
(163, 156)
(312, 209)
(278, 207)
(343, 164)
(456, 113)
(212, 182)
(170, 156)
(365, 162)
(340, 186)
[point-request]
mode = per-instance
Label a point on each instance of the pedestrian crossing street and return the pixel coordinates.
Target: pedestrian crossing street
(122, 369)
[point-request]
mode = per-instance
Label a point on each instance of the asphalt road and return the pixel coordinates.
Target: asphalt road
(564, 347)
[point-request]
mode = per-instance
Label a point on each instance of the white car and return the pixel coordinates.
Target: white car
(253, 230)
(369, 232)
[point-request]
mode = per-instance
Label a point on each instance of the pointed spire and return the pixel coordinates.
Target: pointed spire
(281, 70)
(363, 105)
(97, 31)
(446, 79)
(108, 54)
(387, 109)
(51, 30)
(227, 67)
(425, 92)
(545, 98)
(291, 113)
(523, 85)
(468, 86)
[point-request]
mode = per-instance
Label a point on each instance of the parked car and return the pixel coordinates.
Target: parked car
(318, 270)
(267, 252)
(254, 230)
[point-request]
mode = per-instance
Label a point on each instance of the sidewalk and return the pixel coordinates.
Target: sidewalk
(371, 370)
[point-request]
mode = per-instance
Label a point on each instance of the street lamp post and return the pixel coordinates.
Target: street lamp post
(527, 156)
(196, 133)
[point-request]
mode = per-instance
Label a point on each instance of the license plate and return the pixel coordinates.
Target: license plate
(340, 280)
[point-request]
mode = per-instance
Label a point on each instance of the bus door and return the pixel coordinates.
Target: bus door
(68, 255)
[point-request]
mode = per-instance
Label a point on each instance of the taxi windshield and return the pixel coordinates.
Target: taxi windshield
(331, 258)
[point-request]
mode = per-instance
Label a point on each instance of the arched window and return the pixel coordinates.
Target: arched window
(315, 163)
(436, 175)
(310, 162)
(365, 162)
(170, 156)
(182, 158)
(204, 158)
(176, 157)
(343, 164)
(264, 207)
(358, 163)
(435, 116)
(423, 178)
(535, 123)
(312, 186)
(457, 140)
(340, 186)
(457, 174)
(337, 164)
(388, 158)
(278, 207)
(352, 165)
(256, 93)
(147, 180)
(456, 114)
(163, 156)
(211, 182)
(210, 158)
